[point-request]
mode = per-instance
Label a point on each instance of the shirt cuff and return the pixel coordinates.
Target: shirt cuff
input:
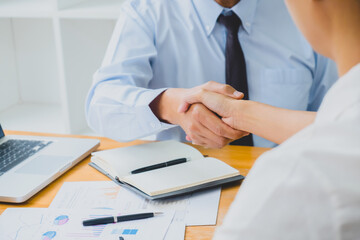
(147, 96)
(144, 111)
(152, 124)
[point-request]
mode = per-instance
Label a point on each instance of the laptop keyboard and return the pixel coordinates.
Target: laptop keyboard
(13, 152)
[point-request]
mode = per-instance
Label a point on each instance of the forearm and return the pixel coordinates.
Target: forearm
(272, 123)
(122, 112)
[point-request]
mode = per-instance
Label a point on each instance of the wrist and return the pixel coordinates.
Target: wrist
(244, 115)
(166, 104)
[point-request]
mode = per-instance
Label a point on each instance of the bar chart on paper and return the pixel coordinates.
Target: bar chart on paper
(134, 230)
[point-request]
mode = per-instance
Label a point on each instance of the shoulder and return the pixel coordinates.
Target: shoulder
(156, 7)
(279, 192)
(153, 13)
(313, 176)
(275, 11)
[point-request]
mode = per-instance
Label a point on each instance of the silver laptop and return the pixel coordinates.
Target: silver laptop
(29, 163)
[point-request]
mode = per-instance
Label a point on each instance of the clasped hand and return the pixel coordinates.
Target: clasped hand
(208, 115)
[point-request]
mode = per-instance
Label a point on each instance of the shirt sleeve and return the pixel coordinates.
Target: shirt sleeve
(118, 102)
(325, 75)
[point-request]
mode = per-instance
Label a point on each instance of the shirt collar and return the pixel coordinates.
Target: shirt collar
(209, 11)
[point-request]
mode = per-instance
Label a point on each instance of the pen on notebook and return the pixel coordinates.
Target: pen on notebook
(115, 219)
(160, 165)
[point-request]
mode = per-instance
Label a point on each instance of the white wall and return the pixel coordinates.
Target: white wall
(83, 50)
(9, 94)
(36, 60)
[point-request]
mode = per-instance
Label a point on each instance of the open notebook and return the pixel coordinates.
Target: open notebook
(197, 173)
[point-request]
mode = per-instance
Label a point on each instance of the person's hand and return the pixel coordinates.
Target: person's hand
(204, 128)
(201, 125)
(229, 108)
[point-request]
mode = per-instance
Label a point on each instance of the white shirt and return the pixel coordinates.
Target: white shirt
(160, 44)
(309, 186)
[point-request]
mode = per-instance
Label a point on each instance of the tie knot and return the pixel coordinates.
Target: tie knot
(231, 22)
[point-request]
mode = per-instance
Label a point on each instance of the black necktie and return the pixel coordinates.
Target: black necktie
(235, 64)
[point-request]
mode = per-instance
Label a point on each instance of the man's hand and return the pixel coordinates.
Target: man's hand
(229, 108)
(196, 93)
(272, 123)
(202, 126)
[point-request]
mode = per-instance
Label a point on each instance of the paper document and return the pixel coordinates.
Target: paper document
(47, 224)
(199, 208)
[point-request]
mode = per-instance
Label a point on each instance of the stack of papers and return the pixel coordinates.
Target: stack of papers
(77, 201)
(66, 224)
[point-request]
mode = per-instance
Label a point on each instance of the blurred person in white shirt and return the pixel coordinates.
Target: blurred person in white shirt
(309, 186)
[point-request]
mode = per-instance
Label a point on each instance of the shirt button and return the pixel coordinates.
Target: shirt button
(153, 125)
(247, 24)
(208, 28)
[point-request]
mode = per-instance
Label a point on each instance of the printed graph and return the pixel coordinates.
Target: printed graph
(92, 232)
(125, 231)
(61, 220)
(89, 195)
(130, 231)
(48, 235)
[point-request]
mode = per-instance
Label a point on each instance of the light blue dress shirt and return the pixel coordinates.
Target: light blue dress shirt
(160, 44)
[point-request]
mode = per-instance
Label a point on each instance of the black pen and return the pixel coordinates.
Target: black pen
(160, 165)
(115, 219)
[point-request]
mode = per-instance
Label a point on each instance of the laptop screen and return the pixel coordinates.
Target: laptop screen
(1, 132)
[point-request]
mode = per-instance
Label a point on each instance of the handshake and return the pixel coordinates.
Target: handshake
(210, 114)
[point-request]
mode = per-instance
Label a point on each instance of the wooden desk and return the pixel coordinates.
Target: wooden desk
(238, 157)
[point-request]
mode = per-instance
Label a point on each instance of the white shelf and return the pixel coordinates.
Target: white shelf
(46, 118)
(93, 9)
(26, 8)
(49, 50)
